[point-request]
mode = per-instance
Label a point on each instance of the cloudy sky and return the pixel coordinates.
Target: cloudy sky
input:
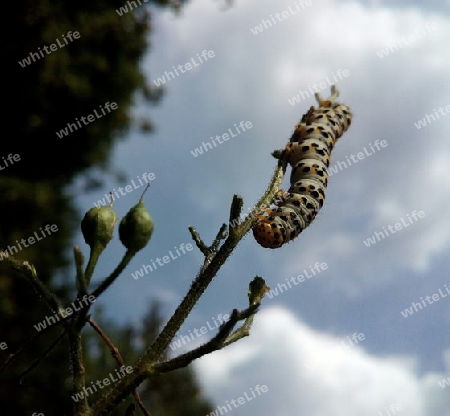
(337, 343)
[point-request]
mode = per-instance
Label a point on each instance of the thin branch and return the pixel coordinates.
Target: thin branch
(209, 251)
(242, 332)
(52, 302)
(81, 279)
(236, 208)
(198, 241)
(81, 407)
(256, 292)
(28, 270)
(113, 276)
(221, 235)
(14, 356)
(43, 355)
(113, 349)
(207, 274)
(143, 368)
(118, 357)
(220, 340)
(76, 348)
(82, 315)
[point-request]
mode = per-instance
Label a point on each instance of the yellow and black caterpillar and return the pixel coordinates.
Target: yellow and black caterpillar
(308, 152)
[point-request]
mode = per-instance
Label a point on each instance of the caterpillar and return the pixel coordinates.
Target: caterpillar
(308, 153)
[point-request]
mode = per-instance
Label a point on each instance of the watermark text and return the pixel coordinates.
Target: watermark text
(394, 408)
(391, 229)
(9, 161)
(71, 127)
(296, 280)
(34, 56)
(352, 159)
(407, 40)
(332, 354)
(100, 384)
(279, 17)
(169, 75)
(146, 177)
(317, 87)
(77, 305)
(199, 332)
(148, 268)
(423, 303)
(243, 126)
(129, 6)
(20, 245)
(429, 118)
(235, 403)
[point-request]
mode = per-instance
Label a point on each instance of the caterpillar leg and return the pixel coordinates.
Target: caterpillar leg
(270, 212)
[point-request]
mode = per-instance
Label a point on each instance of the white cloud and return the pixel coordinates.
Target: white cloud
(339, 381)
(253, 76)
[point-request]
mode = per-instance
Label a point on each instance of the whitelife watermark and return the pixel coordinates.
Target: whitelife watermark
(10, 160)
(344, 344)
(279, 17)
(243, 126)
(339, 166)
(71, 127)
(381, 235)
(237, 221)
(407, 40)
(183, 68)
(317, 87)
(429, 118)
(445, 382)
(14, 249)
(146, 178)
(296, 280)
(35, 56)
(423, 303)
(123, 371)
(130, 6)
(65, 312)
(147, 268)
(235, 403)
(199, 332)
(196, 333)
(394, 408)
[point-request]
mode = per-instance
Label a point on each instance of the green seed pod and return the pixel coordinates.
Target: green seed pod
(98, 226)
(136, 227)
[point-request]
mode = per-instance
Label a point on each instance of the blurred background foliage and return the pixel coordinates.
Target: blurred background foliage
(41, 98)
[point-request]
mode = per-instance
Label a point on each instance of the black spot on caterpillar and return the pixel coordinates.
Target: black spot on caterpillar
(308, 152)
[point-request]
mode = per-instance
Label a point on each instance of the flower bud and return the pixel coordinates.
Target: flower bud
(136, 227)
(257, 290)
(97, 226)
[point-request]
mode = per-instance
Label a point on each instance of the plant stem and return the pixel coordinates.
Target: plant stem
(144, 366)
